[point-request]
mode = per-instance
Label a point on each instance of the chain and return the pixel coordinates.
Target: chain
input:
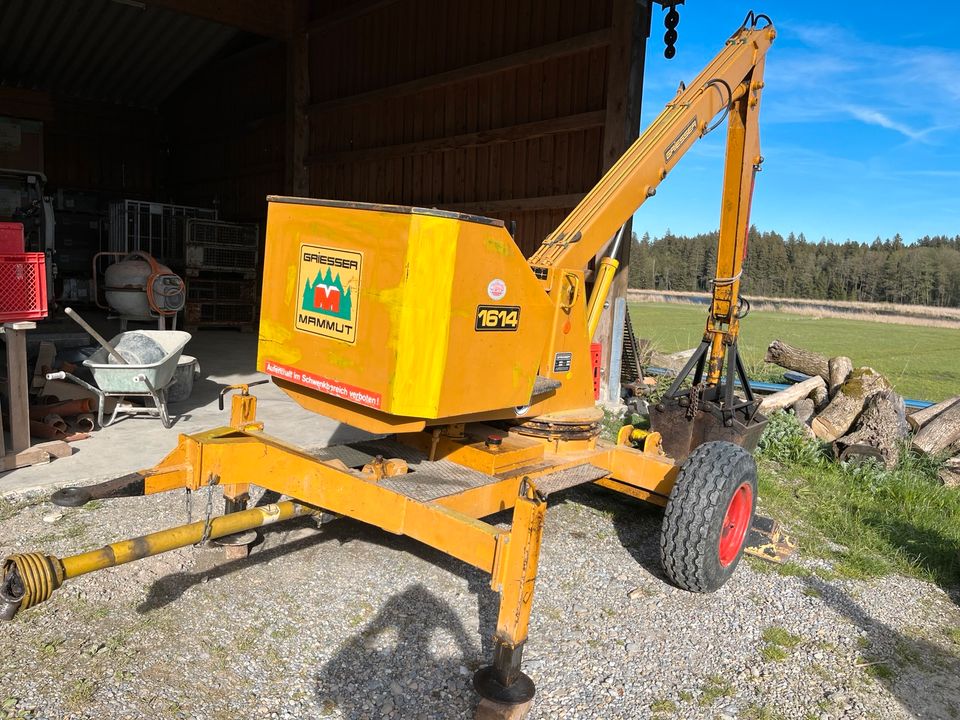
(696, 392)
(188, 504)
(207, 523)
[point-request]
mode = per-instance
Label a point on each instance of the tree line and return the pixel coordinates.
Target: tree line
(926, 272)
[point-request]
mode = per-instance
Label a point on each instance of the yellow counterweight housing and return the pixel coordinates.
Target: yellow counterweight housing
(386, 316)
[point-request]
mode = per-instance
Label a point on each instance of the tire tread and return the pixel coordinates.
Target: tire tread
(696, 498)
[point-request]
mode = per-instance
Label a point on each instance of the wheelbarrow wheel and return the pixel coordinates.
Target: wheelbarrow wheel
(708, 516)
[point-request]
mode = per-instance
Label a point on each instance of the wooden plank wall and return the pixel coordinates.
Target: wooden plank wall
(496, 108)
(91, 146)
(227, 131)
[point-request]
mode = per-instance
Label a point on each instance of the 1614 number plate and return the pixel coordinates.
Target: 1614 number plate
(497, 317)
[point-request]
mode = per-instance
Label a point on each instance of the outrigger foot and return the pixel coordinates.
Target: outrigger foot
(503, 682)
(487, 685)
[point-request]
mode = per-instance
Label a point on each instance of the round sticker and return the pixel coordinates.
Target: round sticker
(496, 289)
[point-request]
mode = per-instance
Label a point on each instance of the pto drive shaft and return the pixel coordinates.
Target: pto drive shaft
(29, 579)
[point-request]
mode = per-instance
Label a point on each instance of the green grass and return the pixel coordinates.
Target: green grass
(879, 671)
(773, 653)
(663, 706)
(780, 637)
(753, 711)
(714, 689)
(868, 521)
(953, 634)
(921, 362)
(778, 643)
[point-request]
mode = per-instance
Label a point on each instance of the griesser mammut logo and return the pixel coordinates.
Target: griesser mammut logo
(329, 280)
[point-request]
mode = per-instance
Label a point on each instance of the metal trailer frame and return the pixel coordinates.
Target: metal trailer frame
(458, 481)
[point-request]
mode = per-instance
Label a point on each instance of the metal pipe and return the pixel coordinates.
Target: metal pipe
(85, 422)
(606, 271)
(29, 579)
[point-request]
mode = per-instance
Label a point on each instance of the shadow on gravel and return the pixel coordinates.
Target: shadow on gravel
(919, 674)
(170, 588)
(636, 523)
(413, 660)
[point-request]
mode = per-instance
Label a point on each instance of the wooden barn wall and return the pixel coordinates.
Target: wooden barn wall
(496, 108)
(105, 148)
(227, 130)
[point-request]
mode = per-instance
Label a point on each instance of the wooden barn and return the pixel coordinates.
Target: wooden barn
(505, 108)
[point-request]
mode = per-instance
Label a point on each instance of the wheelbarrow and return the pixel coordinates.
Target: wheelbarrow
(151, 363)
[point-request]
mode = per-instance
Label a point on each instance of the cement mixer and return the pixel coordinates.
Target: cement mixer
(140, 288)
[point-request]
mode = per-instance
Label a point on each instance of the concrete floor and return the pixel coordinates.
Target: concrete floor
(226, 357)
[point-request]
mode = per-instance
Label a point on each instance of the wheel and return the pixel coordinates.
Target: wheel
(708, 515)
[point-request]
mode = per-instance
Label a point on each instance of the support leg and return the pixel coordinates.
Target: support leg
(235, 499)
(504, 682)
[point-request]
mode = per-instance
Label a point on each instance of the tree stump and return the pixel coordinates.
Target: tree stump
(845, 407)
(950, 473)
(803, 410)
(840, 368)
(921, 417)
(939, 433)
(794, 358)
(881, 428)
(820, 397)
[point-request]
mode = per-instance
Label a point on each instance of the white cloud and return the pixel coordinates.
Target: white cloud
(876, 117)
(910, 90)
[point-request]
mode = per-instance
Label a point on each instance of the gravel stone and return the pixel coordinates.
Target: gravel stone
(348, 622)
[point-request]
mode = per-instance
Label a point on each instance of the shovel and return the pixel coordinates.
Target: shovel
(95, 335)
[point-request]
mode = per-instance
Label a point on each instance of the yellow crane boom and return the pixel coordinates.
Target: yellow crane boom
(731, 84)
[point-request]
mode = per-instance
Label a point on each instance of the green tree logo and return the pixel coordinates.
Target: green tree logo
(326, 296)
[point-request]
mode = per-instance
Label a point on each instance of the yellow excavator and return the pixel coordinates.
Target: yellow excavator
(430, 329)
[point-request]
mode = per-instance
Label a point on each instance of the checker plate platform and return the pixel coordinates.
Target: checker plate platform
(430, 480)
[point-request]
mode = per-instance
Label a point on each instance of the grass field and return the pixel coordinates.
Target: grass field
(866, 521)
(922, 362)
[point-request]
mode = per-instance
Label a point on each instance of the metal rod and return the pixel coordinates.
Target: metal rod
(30, 579)
(162, 541)
(617, 239)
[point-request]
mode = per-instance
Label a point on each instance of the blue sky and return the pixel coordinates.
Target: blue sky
(860, 120)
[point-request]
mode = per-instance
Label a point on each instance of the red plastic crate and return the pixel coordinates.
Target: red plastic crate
(596, 353)
(11, 238)
(23, 286)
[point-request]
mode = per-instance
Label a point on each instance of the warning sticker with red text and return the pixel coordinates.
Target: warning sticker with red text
(324, 385)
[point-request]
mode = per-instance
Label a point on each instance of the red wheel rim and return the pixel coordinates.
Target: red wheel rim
(735, 523)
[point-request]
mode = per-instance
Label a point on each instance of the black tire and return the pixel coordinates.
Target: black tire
(693, 524)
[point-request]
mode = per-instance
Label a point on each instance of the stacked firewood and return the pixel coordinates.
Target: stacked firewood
(858, 412)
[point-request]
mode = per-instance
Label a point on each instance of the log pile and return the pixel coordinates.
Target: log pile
(857, 411)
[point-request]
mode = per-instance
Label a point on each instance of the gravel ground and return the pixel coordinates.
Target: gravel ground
(350, 622)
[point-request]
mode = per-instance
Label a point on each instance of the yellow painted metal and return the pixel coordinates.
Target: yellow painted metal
(635, 176)
(425, 304)
(647, 470)
(441, 304)
(474, 452)
(742, 163)
(601, 288)
(256, 458)
(516, 571)
(633, 491)
(159, 542)
(243, 414)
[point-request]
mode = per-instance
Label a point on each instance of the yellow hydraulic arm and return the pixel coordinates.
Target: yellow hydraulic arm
(731, 83)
